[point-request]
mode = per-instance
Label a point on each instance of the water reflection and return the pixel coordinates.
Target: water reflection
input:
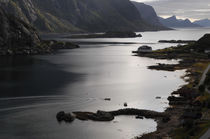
(28, 76)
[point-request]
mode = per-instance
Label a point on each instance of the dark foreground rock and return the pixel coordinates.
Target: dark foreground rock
(109, 115)
(67, 117)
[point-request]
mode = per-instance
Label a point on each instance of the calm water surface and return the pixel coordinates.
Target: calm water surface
(34, 89)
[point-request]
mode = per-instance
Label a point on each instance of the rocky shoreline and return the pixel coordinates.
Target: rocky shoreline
(186, 106)
(45, 47)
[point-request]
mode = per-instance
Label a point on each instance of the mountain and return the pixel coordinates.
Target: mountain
(78, 15)
(16, 35)
(149, 15)
(174, 22)
(203, 22)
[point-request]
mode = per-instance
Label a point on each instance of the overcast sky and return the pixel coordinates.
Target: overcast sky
(192, 9)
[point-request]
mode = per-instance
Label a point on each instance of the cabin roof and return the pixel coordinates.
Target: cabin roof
(145, 47)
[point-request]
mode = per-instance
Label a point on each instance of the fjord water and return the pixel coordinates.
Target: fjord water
(34, 88)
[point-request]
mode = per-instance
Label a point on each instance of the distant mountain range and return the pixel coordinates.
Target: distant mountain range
(173, 22)
(203, 22)
(84, 15)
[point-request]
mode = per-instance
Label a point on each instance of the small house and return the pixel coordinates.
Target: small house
(145, 49)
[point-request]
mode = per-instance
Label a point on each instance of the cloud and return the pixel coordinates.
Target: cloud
(194, 9)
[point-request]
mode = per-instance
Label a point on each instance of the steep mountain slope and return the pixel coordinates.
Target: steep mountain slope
(30, 13)
(149, 15)
(16, 35)
(78, 15)
(174, 22)
(203, 22)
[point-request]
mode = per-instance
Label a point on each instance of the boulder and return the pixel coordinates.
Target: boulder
(67, 117)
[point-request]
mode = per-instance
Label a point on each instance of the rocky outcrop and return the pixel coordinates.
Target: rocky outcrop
(109, 115)
(203, 43)
(67, 117)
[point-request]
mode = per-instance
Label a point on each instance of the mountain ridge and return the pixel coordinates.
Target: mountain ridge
(174, 22)
(203, 22)
(78, 15)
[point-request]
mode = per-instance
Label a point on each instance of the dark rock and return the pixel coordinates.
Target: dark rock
(203, 43)
(188, 123)
(109, 116)
(125, 104)
(139, 117)
(140, 112)
(104, 116)
(165, 119)
(67, 117)
(191, 115)
(173, 98)
(107, 99)
(99, 116)
(60, 116)
(158, 97)
(56, 45)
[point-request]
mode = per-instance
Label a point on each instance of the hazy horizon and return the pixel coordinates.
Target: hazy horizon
(182, 9)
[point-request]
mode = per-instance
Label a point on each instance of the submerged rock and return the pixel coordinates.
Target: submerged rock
(107, 99)
(67, 117)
